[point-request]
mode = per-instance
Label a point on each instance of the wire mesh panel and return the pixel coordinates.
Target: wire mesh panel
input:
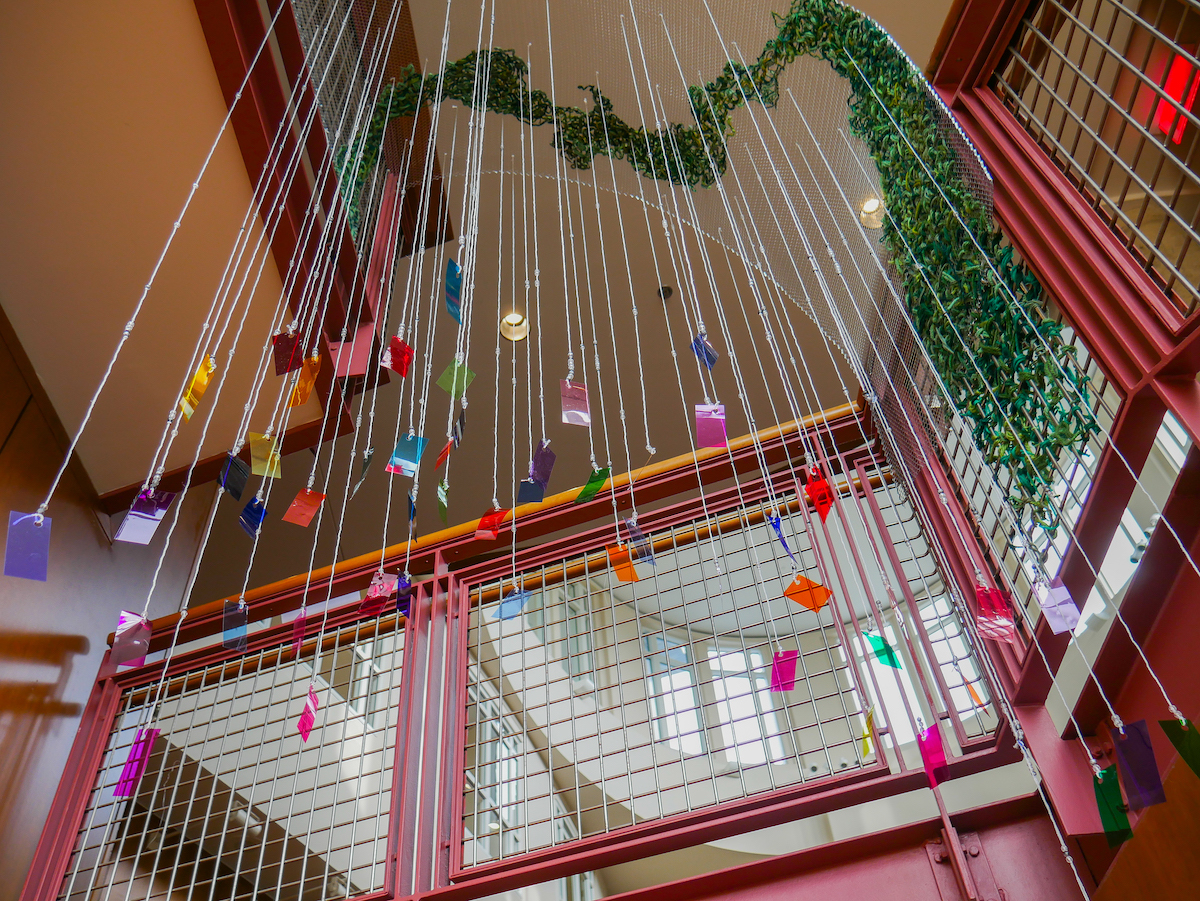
(232, 802)
(605, 701)
(1107, 87)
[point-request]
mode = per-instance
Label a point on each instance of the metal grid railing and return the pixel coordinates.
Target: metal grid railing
(606, 703)
(1107, 88)
(232, 802)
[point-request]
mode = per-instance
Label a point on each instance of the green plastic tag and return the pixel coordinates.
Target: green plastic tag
(1186, 741)
(456, 379)
(884, 652)
(443, 492)
(1112, 815)
(594, 483)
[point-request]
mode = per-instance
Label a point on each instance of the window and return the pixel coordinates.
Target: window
(671, 682)
(741, 685)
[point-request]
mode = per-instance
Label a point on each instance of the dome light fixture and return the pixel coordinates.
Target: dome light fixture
(514, 326)
(870, 214)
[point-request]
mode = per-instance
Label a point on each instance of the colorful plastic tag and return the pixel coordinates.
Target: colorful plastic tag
(234, 476)
(368, 455)
(304, 507)
(777, 525)
(594, 483)
(264, 456)
(407, 455)
(530, 492)
(1058, 608)
(382, 587)
(412, 507)
(512, 605)
(141, 522)
(289, 355)
(454, 290)
(135, 763)
(883, 651)
(868, 729)
(642, 548)
(443, 499)
(298, 629)
(131, 641)
(444, 455)
(306, 381)
(404, 596)
(399, 357)
(994, 619)
(196, 387)
(1139, 769)
(543, 464)
(933, 755)
(783, 671)
(233, 623)
(27, 546)
(574, 403)
(252, 516)
(1113, 818)
(491, 524)
(456, 379)
(808, 593)
(819, 493)
(622, 566)
(308, 716)
(1186, 741)
(710, 426)
(460, 428)
(705, 352)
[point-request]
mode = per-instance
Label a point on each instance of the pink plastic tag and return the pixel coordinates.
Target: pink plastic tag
(382, 587)
(933, 755)
(27, 548)
(710, 425)
(783, 671)
(135, 763)
(574, 403)
(994, 619)
(298, 626)
(131, 642)
(308, 716)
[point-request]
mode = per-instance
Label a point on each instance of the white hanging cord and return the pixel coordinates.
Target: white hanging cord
(537, 272)
(562, 231)
(587, 280)
(499, 320)
(129, 325)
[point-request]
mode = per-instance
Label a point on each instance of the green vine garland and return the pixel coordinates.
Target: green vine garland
(1037, 412)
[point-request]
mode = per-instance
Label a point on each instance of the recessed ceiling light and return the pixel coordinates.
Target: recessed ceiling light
(664, 292)
(514, 327)
(494, 826)
(870, 214)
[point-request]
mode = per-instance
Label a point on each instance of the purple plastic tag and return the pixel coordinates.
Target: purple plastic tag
(135, 763)
(404, 595)
(512, 605)
(234, 621)
(141, 522)
(1059, 609)
(530, 492)
(777, 525)
(783, 671)
(705, 352)
(298, 626)
(542, 465)
(710, 425)
(933, 755)
(574, 403)
(1139, 769)
(642, 548)
(131, 642)
(27, 550)
(308, 717)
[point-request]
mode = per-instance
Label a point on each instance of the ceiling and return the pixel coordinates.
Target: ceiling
(85, 229)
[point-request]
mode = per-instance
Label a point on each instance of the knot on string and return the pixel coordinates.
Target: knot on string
(1119, 723)
(171, 416)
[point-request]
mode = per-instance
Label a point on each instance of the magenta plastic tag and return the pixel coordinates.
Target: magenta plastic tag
(994, 619)
(298, 626)
(710, 425)
(574, 403)
(27, 549)
(141, 522)
(933, 755)
(1059, 609)
(783, 671)
(135, 764)
(382, 587)
(131, 642)
(308, 717)
(1139, 769)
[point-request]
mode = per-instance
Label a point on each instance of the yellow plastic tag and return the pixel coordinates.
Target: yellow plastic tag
(264, 456)
(197, 387)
